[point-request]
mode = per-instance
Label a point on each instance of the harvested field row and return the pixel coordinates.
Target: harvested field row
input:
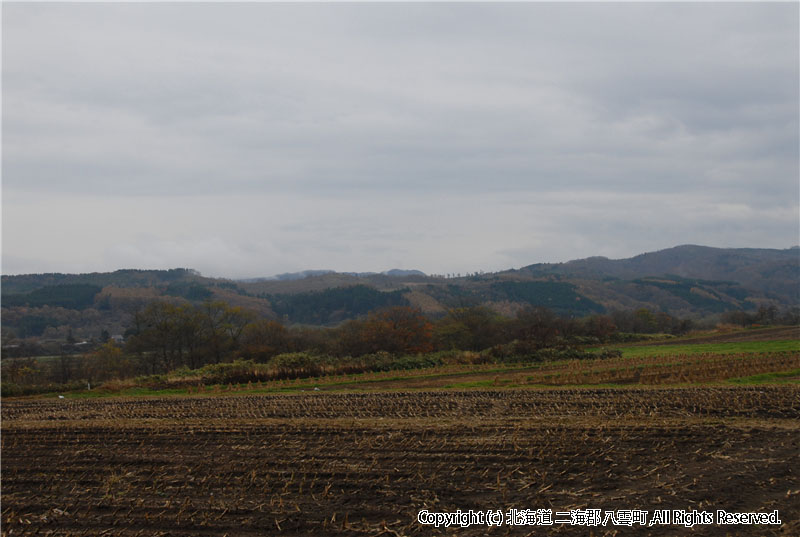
(756, 334)
(649, 370)
(93, 472)
(767, 401)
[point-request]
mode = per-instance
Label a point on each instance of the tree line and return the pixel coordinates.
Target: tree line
(165, 336)
(168, 336)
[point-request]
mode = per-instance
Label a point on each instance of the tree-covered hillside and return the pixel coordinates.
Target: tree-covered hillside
(333, 305)
(771, 271)
(686, 281)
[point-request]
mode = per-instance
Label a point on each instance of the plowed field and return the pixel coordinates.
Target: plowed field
(366, 464)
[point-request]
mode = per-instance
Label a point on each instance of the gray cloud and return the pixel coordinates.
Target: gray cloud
(249, 139)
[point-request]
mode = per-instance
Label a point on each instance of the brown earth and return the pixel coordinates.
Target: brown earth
(778, 333)
(366, 464)
(642, 371)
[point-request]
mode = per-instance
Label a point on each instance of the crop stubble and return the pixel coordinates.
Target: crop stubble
(365, 464)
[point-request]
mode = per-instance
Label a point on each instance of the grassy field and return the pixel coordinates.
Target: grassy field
(711, 348)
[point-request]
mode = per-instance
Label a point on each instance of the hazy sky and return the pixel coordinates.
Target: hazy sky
(251, 139)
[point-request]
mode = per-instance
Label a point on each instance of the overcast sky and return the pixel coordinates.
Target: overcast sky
(252, 139)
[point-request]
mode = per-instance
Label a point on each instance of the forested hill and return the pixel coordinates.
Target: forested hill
(685, 281)
(768, 270)
(25, 283)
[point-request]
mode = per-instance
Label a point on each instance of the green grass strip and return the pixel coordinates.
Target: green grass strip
(776, 377)
(712, 348)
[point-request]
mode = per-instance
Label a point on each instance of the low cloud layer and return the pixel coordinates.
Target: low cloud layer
(252, 139)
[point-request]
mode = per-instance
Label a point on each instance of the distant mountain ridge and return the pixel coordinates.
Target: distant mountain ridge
(286, 276)
(768, 270)
(685, 281)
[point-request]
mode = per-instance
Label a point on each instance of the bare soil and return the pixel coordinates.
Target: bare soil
(366, 464)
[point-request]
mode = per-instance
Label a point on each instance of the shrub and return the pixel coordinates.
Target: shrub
(609, 353)
(233, 372)
(10, 389)
(297, 365)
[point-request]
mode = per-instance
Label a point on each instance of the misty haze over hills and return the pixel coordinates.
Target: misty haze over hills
(688, 261)
(308, 273)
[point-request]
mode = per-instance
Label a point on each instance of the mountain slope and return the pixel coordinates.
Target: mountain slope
(684, 281)
(776, 272)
